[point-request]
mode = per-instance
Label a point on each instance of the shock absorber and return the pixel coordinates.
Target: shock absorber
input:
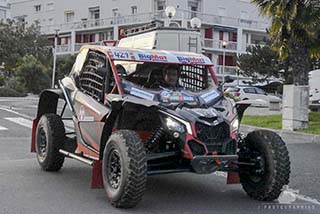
(154, 139)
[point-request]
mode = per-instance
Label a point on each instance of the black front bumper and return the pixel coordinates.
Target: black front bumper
(211, 163)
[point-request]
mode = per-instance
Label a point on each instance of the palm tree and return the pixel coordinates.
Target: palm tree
(294, 32)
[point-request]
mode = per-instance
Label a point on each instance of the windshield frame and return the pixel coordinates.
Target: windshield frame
(118, 79)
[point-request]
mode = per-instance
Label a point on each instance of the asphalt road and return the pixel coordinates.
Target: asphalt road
(25, 188)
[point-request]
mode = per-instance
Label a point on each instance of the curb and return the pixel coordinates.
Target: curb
(290, 137)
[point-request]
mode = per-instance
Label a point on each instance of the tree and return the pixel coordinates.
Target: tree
(64, 66)
(31, 75)
(260, 63)
(18, 40)
(294, 33)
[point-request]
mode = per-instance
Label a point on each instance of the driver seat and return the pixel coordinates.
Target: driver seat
(155, 76)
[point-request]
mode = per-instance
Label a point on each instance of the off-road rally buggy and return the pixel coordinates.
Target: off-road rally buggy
(128, 125)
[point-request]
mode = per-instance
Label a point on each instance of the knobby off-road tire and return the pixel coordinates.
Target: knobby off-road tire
(275, 161)
(50, 137)
(124, 169)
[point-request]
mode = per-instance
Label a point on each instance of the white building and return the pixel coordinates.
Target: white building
(4, 9)
(91, 21)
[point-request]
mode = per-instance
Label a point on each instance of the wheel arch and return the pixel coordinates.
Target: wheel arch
(48, 101)
(120, 110)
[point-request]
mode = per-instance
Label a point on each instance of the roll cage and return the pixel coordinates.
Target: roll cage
(186, 60)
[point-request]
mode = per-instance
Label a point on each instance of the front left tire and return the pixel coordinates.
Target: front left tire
(264, 180)
(50, 137)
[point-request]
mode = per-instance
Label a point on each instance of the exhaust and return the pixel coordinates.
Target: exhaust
(77, 157)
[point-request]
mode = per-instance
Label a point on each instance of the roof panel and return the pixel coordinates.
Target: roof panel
(160, 56)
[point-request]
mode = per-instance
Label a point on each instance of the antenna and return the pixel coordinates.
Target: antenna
(195, 22)
(170, 11)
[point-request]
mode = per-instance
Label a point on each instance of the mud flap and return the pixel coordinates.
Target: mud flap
(96, 178)
(233, 178)
(33, 135)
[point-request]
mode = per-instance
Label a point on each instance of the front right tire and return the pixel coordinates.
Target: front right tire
(124, 169)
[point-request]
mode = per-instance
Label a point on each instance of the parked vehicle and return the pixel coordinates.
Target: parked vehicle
(258, 96)
(139, 113)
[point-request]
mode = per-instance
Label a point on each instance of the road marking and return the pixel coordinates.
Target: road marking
(286, 191)
(10, 99)
(3, 128)
(21, 121)
(4, 108)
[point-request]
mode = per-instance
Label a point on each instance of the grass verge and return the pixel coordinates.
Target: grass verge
(275, 122)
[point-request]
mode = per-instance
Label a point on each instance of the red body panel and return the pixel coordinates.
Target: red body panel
(33, 135)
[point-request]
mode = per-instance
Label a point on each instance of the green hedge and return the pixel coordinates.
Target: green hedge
(9, 92)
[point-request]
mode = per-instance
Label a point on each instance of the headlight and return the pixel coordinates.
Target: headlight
(174, 125)
(235, 124)
(176, 120)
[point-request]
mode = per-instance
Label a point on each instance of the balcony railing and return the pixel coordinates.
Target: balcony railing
(147, 17)
(107, 22)
(228, 70)
(218, 44)
(222, 20)
(79, 45)
(65, 49)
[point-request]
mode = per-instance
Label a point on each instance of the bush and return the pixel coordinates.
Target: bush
(9, 92)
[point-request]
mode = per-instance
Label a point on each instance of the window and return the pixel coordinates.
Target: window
(193, 7)
(94, 12)
(191, 77)
(249, 90)
(160, 5)
(50, 6)
(91, 80)
(134, 10)
(260, 91)
(37, 8)
(69, 16)
(105, 35)
(233, 89)
(221, 35)
(233, 36)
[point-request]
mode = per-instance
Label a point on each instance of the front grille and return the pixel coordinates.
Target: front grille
(196, 148)
(213, 136)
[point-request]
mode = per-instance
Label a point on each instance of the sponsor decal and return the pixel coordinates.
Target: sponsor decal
(188, 98)
(152, 57)
(191, 60)
(121, 55)
(83, 117)
(210, 96)
(141, 94)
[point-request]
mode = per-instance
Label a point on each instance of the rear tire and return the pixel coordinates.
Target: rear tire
(50, 137)
(266, 179)
(124, 169)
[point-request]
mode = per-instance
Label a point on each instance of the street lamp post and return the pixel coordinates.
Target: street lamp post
(238, 72)
(224, 45)
(54, 51)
